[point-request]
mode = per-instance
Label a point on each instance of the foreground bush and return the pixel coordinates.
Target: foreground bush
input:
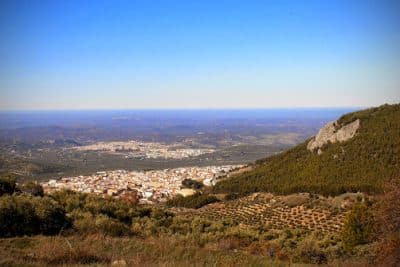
(359, 225)
(309, 252)
(25, 215)
(101, 224)
(32, 188)
(7, 185)
(51, 215)
(17, 216)
(76, 203)
(109, 216)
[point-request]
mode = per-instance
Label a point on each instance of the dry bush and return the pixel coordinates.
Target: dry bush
(309, 252)
(228, 244)
(260, 248)
(388, 221)
(56, 252)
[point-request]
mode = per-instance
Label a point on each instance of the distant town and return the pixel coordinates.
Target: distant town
(147, 186)
(137, 149)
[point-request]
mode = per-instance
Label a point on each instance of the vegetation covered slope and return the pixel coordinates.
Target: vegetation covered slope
(362, 163)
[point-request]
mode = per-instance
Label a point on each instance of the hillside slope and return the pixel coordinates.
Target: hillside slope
(362, 163)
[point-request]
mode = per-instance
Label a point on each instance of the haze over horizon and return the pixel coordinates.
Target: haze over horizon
(62, 55)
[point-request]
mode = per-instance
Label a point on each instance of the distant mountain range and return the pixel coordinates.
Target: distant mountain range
(362, 162)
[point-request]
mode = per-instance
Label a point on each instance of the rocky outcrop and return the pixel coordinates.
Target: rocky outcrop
(332, 132)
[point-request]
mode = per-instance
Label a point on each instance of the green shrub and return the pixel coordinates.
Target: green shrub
(97, 205)
(89, 224)
(92, 213)
(33, 189)
(147, 227)
(180, 226)
(110, 226)
(17, 216)
(194, 201)
(358, 227)
(51, 215)
(163, 218)
(25, 215)
(7, 185)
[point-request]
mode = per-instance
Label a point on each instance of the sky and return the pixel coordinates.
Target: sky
(198, 54)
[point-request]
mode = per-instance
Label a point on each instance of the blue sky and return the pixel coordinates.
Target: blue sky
(198, 54)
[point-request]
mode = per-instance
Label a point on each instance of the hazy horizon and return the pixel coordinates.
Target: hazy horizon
(154, 117)
(191, 109)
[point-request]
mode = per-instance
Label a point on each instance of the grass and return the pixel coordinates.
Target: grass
(164, 250)
(98, 250)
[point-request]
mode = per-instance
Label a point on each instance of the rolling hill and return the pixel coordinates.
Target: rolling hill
(361, 163)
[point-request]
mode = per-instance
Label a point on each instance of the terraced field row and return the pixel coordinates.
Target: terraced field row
(272, 213)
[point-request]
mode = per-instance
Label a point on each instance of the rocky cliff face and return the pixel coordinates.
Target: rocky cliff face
(332, 132)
